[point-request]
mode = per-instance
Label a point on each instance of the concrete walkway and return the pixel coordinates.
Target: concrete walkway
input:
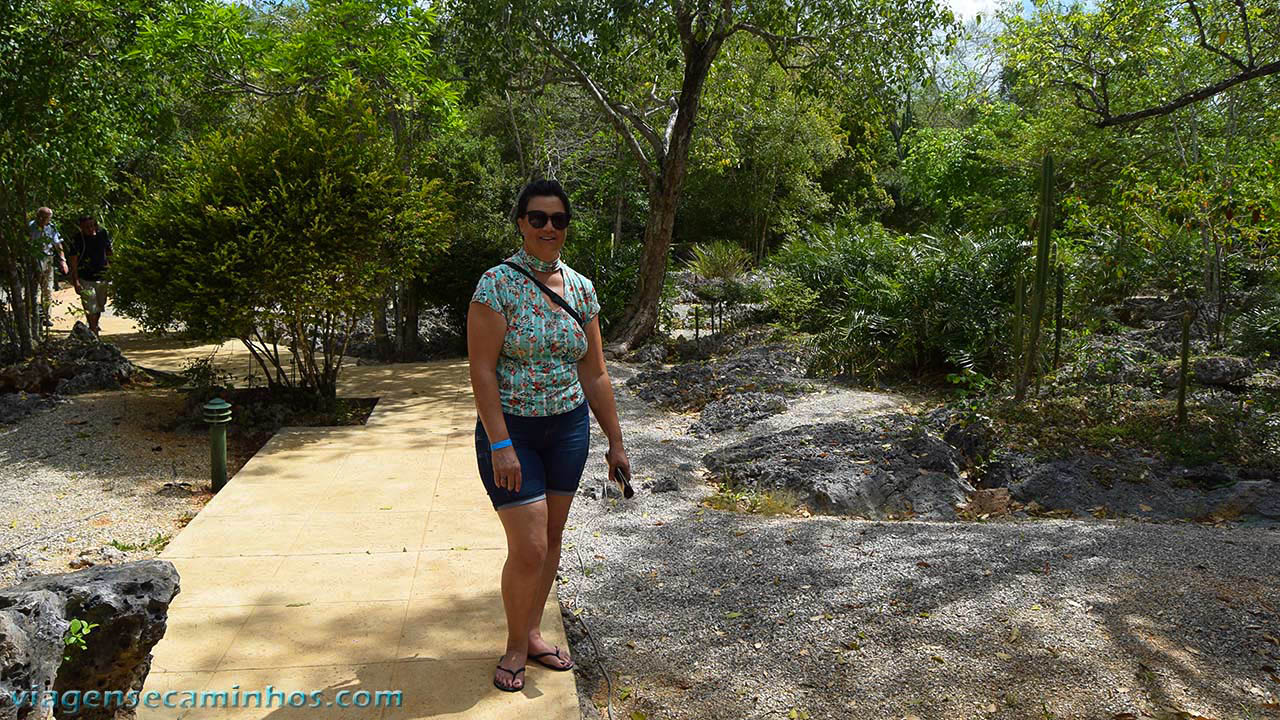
(349, 559)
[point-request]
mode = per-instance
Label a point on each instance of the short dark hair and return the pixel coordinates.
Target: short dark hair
(83, 218)
(540, 188)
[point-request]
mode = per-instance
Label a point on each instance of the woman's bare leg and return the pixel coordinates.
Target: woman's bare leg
(526, 528)
(557, 516)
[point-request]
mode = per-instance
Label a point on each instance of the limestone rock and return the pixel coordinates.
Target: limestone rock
(1260, 498)
(81, 332)
(737, 411)
(973, 435)
(1221, 370)
(31, 629)
(16, 406)
(69, 366)
(128, 602)
(869, 468)
(652, 354)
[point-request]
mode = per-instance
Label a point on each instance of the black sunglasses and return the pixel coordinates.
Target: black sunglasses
(538, 218)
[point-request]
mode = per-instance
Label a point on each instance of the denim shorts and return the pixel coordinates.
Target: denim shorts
(552, 452)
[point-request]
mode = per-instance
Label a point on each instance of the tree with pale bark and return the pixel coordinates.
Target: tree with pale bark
(646, 67)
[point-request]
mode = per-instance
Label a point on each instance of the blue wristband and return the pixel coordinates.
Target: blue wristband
(499, 445)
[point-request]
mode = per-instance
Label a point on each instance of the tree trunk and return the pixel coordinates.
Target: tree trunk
(642, 311)
(616, 240)
(1187, 317)
(664, 198)
(381, 336)
(1031, 367)
(1212, 280)
(1019, 309)
(1057, 322)
(18, 307)
(620, 204)
(31, 290)
(407, 330)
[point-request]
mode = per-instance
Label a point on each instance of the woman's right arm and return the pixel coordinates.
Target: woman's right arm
(486, 330)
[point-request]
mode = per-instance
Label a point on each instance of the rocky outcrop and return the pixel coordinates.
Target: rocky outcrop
(737, 411)
(1215, 370)
(690, 386)
(651, 354)
(875, 468)
(16, 406)
(31, 630)
(129, 603)
(78, 364)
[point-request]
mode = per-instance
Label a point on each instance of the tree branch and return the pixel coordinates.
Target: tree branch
(659, 147)
(1204, 41)
(1191, 97)
(778, 44)
(1248, 36)
(615, 117)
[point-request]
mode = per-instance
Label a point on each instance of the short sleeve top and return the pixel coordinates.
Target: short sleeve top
(48, 238)
(538, 364)
(93, 252)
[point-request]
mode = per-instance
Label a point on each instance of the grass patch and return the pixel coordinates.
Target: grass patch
(156, 543)
(1100, 423)
(732, 497)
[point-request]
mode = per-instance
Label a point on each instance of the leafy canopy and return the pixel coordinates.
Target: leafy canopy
(289, 227)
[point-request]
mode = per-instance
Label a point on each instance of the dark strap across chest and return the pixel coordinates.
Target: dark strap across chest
(558, 300)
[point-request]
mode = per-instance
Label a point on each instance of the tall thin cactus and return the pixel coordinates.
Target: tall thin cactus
(1044, 223)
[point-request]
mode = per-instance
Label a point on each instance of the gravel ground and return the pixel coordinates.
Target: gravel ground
(98, 468)
(706, 614)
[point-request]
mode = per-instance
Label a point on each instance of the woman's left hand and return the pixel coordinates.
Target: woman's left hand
(616, 457)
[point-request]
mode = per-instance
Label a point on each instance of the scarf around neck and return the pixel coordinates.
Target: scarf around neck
(535, 264)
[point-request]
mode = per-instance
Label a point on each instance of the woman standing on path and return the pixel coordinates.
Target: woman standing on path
(537, 363)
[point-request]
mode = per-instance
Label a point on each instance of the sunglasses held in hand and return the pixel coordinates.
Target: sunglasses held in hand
(621, 478)
(538, 219)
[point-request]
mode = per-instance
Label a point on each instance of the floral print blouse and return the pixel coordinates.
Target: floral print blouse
(538, 364)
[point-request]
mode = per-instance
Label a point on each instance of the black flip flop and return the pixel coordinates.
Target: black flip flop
(514, 673)
(538, 659)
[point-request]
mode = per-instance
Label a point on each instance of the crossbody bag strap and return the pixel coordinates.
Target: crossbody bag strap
(554, 297)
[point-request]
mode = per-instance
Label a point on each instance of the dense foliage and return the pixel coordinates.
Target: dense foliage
(282, 232)
(875, 302)
(878, 160)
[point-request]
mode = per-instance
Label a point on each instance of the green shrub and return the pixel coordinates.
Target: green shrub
(720, 260)
(877, 303)
(1256, 328)
(1259, 329)
(281, 233)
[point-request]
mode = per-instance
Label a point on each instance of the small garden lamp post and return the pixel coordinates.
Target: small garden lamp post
(217, 412)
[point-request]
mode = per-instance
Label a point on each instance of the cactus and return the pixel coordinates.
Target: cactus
(1044, 223)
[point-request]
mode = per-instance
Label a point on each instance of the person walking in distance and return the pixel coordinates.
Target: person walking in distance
(49, 246)
(90, 255)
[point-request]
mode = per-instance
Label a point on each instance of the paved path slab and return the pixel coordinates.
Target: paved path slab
(347, 559)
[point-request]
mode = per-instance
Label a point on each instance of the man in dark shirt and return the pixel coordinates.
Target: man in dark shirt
(89, 255)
